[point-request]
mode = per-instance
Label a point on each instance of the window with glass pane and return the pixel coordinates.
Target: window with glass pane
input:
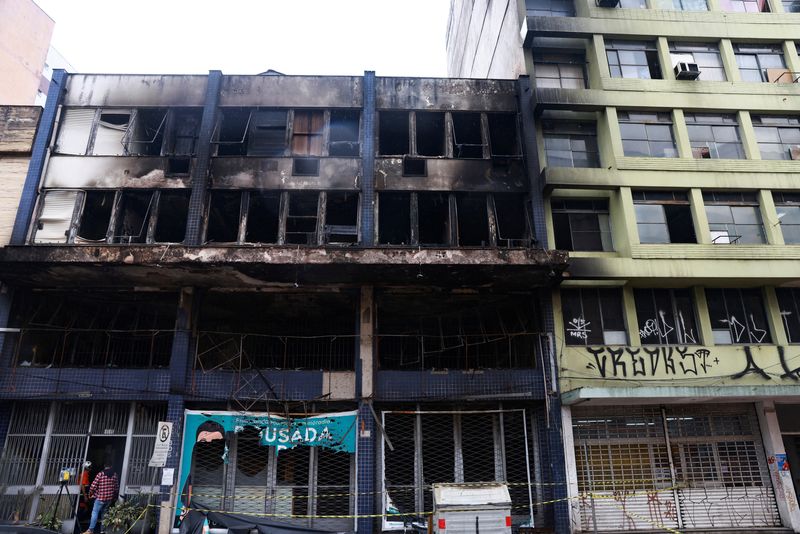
(663, 217)
(714, 136)
(593, 316)
(745, 6)
(787, 206)
(550, 8)
(570, 143)
(647, 134)
(791, 6)
(581, 224)
(633, 4)
(737, 316)
(705, 55)
(633, 59)
(564, 71)
(665, 316)
(688, 5)
(789, 304)
(733, 218)
(778, 137)
(759, 63)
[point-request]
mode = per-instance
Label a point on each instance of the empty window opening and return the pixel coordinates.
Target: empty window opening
(305, 166)
(344, 133)
(76, 329)
(430, 134)
(434, 218)
(96, 215)
(146, 134)
(341, 218)
(267, 136)
(307, 133)
(663, 217)
(394, 218)
(245, 330)
(301, 219)
(467, 136)
(232, 132)
(503, 134)
(110, 133)
(133, 214)
(414, 167)
(178, 166)
(473, 221)
(173, 209)
(184, 130)
(393, 133)
(223, 217)
(263, 216)
(435, 331)
(513, 229)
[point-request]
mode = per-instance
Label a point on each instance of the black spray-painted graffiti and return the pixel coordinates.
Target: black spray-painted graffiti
(649, 361)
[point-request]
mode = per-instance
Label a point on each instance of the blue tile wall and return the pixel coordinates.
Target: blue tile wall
(366, 469)
(368, 161)
(429, 385)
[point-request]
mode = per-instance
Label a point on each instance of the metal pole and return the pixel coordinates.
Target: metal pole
(591, 487)
(528, 466)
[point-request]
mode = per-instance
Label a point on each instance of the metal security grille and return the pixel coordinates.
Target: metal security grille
(44, 438)
(649, 467)
(236, 473)
(429, 447)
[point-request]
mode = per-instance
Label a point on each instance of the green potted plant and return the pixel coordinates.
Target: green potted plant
(119, 518)
(49, 520)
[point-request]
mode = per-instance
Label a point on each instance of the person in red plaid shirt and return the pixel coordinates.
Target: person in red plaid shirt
(104, 490)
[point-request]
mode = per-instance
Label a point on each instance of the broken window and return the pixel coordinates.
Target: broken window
(341, 218)
(633, 59)
(503, 136)
(663, 217)
(593, 316)
(76, 329)
(133, 214)
(467, 136)
(231, 131)
(714, 135)
(761, 62)
(511, 214)
(666, 316)
(96, 215)
(473, 220)
(184, 129)
(343, 141)
(172, 215)
(307, 133)
(787, 206)
(146, 133)
(301, 218)
(249, 330)
(393, 133)
(263, 217)
(430, 133)
(224, 214)
(789, 304)
(733, 218)
(434, 331)
(394, 218)
(570, 143)
(111, 128)
(581, 224)
(737, 316)
(267, 136)
(55, 216)
(434, 219)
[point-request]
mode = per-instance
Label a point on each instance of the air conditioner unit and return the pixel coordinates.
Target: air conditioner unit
(687, 71)
(607, 3)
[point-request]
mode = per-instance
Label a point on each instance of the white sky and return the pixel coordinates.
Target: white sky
(325, 37)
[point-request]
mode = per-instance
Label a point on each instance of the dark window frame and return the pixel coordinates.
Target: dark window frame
(619, 54)
(568, 210)
(710, 149)
(574, 133)
(578, 329)
(725, 299)
(683, 330)
(736, 202)
(650, 123)
(673, 201)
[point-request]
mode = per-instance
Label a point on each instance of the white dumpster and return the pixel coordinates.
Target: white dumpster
(471, 509)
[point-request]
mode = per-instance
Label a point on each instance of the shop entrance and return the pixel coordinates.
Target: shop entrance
(104, 449)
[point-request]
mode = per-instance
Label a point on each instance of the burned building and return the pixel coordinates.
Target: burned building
(223, 252)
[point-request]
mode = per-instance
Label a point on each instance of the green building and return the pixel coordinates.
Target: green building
(668, 138)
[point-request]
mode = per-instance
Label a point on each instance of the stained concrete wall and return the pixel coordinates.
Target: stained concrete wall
(25, 32)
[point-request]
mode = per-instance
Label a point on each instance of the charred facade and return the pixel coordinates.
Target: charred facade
(285, 245)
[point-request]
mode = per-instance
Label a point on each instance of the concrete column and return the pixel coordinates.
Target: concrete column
(623, 222)
(180, 362)
(769, 218)
(713, 5)
(166, 515)
(699, 217)
(558, 467)
(597, 62)
(790, 56)
(572, 471)
(632, 326)
(681, 133)
(664, 58)
(774, 316)
(365, 456)
(781, 479)
(748, 134)
(525, 101)
(609, 138)
(368, 161)
(775, 6)
(703, 319)
(39, 152)
(729, 60)
(202, 161)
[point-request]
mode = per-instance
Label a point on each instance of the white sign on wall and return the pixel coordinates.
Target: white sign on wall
(162, 446)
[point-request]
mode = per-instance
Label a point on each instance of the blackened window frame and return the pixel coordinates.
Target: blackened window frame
(565, 209)
(674, 201)
(574, 133)
(596, 306)
(682, 313)
(724, 300)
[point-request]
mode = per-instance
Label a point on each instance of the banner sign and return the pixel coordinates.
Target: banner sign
(335, 431)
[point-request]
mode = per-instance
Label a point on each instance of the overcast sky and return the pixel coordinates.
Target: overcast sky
(328, 37)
